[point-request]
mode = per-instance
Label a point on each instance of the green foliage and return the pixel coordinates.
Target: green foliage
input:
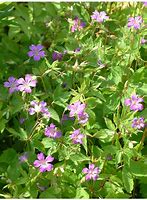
(102, 65)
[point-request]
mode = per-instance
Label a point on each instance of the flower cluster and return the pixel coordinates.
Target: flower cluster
(39, 107)
(77, 137)
(77, 25)
(78, 109)
(44, 163)
(21, 84)
(135, 22)
(36, 52)
(92, 172)
(52, 132)
(134, 102)
(99, 16)
(138, 123)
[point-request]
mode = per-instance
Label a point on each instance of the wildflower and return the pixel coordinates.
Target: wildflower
(77, 25)
(23, 157)
(57, 56)
(39, 107)
(135, 22)
(66, 117)
(26, 83)
(76, 108)
(143, 41)
(138, 123)
(44, 163)
(109, 157)
(99, 16)
(145, 3)
(77, 137)
(21, 120)
(52, 132)
(12, 84)
(92, 172)
(134, 102)
(77, 50)
(36, 52)
(83, 117)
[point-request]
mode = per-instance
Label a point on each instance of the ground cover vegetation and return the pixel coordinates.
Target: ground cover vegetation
(73, 96)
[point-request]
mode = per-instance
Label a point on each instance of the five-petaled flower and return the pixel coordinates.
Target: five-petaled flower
(76, 108)
(92, 172)
(99, 16)
(77, 25)
(44, 164)
(77, 137)
(83, 117)
(134, 102)
(39, 107)
(36, 52)
(138, 123)
(26, 83)
(12, 84)
(135, 22)
(52, 132)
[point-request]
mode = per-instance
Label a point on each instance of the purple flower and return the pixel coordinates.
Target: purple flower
(36, 52)
(76, 108)
(83, 117)
(26, 83)
(39, 107)
(21, 120)
(77, 50)
(66, 117)
(143, 41)
(23, 157)
(135, 22)
(77, 25)
(57, 56)
(12, 84)
(138, 123)
(52, 132)
(99, 16)
(134, 102)
(77, 137)
(92, 172)
(145, 3)
(43, 163)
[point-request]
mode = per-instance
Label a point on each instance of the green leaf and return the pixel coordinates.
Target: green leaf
(138, 168)
(81, 194)
(79, 157)
(109, 124)
(8, 156)
(127, 179)
(54, 114)
(48, 142)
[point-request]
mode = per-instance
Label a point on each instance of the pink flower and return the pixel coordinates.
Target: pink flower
(77, 137)
(135, 22)
(99, 16)
(92, 172)
(44, 163)
(26, 83)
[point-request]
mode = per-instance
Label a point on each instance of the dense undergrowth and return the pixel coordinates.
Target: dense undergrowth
(73, 95)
